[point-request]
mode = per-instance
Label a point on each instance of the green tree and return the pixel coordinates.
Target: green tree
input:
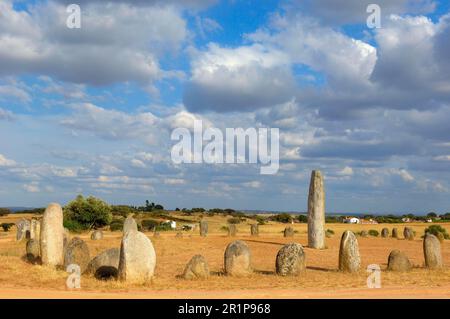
(88, 212)
(5, 211)
(432, 215)
(6, 226)
(302, 218)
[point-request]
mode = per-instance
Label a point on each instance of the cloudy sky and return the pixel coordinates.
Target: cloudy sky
(91, 110)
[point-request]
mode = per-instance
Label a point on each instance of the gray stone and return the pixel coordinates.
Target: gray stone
(137, 258)
(289, 232)
(394, 233)
(237, 259)
(316, 211)
(432, 251)
(33, 251)
(408, 233)
(52, 236)
(23, 229)
(77, 252)
(105, 265)
(203, 228)
(398, 261)
(364, 233)
(232, 230)
(35, 229)
(290, 260)
(385, 233)
(349, 258)
(97, 235)
(197, 268)
(254, 230)
(129, 224)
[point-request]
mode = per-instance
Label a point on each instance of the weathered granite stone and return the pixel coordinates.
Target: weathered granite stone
(197, 268)
(398, 261)
(289, 232)
(349, 258)
(237, 259)
(432, 251)
(254, 230)
(316, 211)
(290, 260)
(77, 253)
(52, 236)
(105, 265)
(97, 235)
(203, 228)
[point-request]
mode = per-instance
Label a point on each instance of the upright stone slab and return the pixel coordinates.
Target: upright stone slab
(23, 229)
(77, 253)
(137, 257)
(33, 251)
(432, 251)
(316, 211)
(232, 230)
(349, 258)
(364, 233)
(289, 232)
(398, 261)
(129, 224)
(290, 260)
(197, 268)
(408, 233)
(394, 233)
(35, 229)
(203, 228)
(237, 259)
(385, 233)
(254, 230)
(52, 236)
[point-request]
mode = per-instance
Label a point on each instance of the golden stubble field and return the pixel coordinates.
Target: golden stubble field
(19, 279)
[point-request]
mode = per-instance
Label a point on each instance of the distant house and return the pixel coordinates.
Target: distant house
(406, 220)
(368, 221)
(351, 220)
(429, 220)
(173, 224)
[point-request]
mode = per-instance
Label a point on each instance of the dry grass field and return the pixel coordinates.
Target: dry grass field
(19, 279)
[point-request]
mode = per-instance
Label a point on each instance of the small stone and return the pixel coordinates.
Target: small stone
(254, 230)
(35, 229)
(385, 233)
(97, 235)
(232, 230)
(349, 258)
(289, 232)
(105, 265)
(129, 224)
(364, 233)
(197, 268)
(398, 261)
(290, 260)
(408, 233)
(137, 258)
(394, 233)
(432, 251)
(237, 259)
(77, 252)
(23, 229)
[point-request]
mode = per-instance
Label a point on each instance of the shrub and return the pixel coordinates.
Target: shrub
(373, 233)
(302, 218)
(89, 212)
(436, 229)
(163, 227)
(116, 225)
(6, 226)
(73, 225)
(5, 211)
(261, 220)
(282, 218)
(330, 231)
(234, 220)
(149, 224)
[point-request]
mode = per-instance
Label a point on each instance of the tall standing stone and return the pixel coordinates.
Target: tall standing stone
(394, 233)
(432, 251)
(237, 259)
(137, 258)
(349, 258)
(290, 260)
(254, 230)
(203, 228)
(129, 224)
(316, 211)
(408, 233)
(232, 230)
(52, 236)
(35, 229)
(23, 229)
(385, 233)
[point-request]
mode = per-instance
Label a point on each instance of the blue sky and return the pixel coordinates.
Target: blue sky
(91, 110)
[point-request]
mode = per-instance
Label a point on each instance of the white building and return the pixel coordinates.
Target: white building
(351, 220)
(173, 224)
